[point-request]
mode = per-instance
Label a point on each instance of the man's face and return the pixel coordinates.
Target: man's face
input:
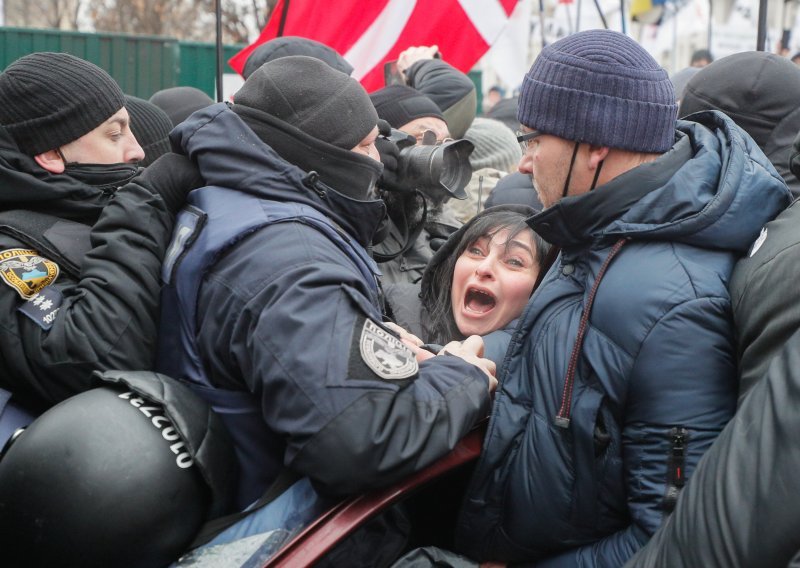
(110, 143)
(419, 126)
(547, 158)
(367, 145)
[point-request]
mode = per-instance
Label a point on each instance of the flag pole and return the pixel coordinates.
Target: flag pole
(761, 38)
(541, 22)
(710, 21)
(674, 37)
(622, 15)
(219, 50)
(600, 11)
(284, 13)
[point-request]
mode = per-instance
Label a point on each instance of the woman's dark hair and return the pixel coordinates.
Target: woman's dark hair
(437, 283)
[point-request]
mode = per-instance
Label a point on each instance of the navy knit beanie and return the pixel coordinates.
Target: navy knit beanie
(603, 88)
(50, 99)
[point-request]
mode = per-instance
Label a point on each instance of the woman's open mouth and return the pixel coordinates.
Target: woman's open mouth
(479, 301)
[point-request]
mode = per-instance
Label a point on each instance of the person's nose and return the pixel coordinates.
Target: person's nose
(525, 163)
(373, 153)
(486, 267)
(133, 151)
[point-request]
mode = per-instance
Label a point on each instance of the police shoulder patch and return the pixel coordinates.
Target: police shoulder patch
(385, 354)
(26, 271)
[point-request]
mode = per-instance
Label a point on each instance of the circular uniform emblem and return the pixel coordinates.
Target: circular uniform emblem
(26, 271)
(386, 355)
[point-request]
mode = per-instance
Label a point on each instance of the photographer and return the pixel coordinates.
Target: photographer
(423, 169)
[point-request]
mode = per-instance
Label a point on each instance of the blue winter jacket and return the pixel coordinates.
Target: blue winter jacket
(285, 316)
(581, 465)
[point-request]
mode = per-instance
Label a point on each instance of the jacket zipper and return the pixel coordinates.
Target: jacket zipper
(676, 475)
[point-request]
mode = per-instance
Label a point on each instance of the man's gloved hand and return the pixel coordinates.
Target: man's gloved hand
(172, 176)
(390, 157)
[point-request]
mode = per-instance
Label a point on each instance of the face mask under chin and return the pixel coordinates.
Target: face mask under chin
(103, 176)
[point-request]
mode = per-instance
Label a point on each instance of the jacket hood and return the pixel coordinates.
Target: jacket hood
(230, 154)
(713, 189)
(758, 91)
(26, 185)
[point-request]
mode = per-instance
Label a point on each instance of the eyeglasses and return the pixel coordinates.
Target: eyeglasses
(524, 138)
(429, 138)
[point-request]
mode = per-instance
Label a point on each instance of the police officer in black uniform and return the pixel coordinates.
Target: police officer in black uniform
(81, 235)
(273, 309)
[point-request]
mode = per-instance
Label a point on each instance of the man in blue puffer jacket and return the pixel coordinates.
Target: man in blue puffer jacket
(622, 371)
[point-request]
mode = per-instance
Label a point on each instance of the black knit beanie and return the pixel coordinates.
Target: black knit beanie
(151, 127)
(292, 45)
(180, 102)
(603, 88)
(50, 99)
(313, 97)
(400, 104)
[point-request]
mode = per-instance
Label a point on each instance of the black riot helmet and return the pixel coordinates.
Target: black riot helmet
(122, 475)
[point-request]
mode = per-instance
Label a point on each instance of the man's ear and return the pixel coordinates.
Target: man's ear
(50, 161)
(597, 154)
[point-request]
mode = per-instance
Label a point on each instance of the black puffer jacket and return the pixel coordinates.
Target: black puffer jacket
(95, 268)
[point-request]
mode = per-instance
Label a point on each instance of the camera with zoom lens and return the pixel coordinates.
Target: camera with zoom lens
(439, 170)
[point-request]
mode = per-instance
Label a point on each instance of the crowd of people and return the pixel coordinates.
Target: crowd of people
(269, 285)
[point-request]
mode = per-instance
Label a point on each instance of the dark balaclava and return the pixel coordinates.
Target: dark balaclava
(313, 116)
(292, 45)
(399, 104)
(50, 99)
(180, 102)
(151, 127)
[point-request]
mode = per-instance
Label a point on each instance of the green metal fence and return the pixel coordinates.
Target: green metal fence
(198, 64)
(141, 65)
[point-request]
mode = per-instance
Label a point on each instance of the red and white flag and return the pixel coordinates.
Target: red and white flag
(369, 33)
